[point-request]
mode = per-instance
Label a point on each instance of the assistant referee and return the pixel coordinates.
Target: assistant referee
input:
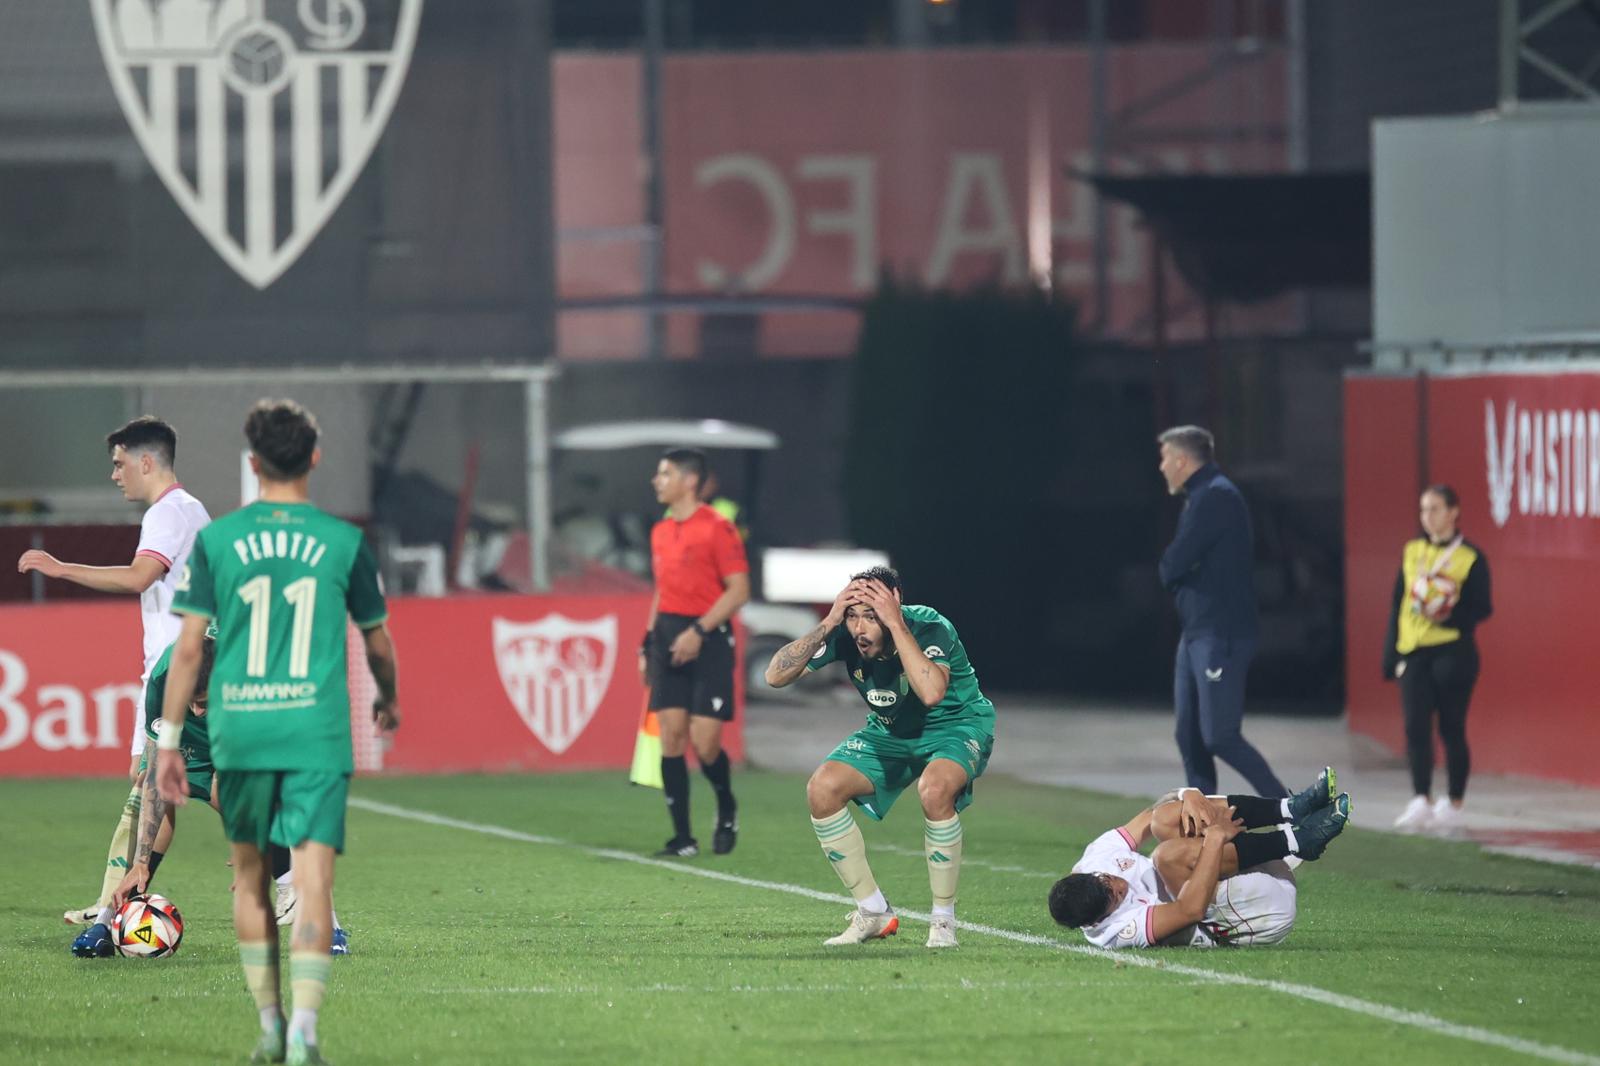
(687, 659)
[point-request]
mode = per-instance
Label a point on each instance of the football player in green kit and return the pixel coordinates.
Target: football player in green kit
(928, 723)
(156, 824)
(279, 576)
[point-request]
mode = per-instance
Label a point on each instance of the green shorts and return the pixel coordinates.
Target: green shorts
(283, 807)
(199, 780)
(892, 763)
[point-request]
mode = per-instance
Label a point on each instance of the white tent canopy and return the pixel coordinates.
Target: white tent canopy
(666, 433)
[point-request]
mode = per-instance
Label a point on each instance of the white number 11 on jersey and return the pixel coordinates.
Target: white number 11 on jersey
(302, 596)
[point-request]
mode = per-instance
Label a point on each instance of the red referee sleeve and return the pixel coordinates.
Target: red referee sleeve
(728, 550)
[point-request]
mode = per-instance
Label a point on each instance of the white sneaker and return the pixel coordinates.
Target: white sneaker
(83, 916)
(864, 926)
(1447, 818)
(942, 932)
(1417, 816)
(286, 905)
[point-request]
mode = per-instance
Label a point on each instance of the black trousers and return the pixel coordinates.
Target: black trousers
(1439, 679)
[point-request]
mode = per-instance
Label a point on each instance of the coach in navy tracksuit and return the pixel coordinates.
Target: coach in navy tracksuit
(1208, 568)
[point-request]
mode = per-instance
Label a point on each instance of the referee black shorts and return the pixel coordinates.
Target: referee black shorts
(703, 685)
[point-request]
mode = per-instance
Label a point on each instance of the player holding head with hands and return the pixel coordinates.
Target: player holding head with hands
(928, 724)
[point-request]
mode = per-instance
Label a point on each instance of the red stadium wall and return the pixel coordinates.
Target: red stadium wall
(807, 173)
(1523, 450)
(487, 683)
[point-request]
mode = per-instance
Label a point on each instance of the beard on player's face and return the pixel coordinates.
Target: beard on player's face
(866, 631)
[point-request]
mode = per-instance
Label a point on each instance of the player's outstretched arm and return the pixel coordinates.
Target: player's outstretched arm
(381, 661)
(135, 577)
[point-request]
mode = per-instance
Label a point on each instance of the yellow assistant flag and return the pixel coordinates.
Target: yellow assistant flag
(647, 748)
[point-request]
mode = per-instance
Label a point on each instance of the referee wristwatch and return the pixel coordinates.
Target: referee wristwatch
(702, 630)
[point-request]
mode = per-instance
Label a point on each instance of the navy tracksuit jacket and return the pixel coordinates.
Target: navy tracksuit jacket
(1209, 568)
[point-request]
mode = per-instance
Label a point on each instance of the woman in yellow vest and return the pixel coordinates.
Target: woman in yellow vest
(1440, 596)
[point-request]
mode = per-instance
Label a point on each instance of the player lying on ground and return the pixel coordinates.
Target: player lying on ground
(1208, 881)
(928, 724)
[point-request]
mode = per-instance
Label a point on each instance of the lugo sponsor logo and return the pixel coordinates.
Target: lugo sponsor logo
(1542, 462)
(882, 697)
(59, 717)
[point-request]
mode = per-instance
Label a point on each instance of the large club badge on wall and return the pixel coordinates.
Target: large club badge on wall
(258, 115)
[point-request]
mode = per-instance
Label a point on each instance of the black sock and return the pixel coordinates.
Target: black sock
(717, 772)
(1257, 848)
(675, 783)
(155, 864)
(1257, 811)
(279, 857)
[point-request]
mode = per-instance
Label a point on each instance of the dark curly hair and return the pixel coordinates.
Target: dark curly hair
(283, 435)
(888, 575)
(1078, 900)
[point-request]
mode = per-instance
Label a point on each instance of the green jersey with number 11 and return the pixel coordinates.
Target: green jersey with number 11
(280, 578)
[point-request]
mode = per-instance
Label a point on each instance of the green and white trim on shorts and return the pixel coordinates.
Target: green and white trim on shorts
(893, 763)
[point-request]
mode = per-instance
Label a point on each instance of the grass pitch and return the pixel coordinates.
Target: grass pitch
(476, 947)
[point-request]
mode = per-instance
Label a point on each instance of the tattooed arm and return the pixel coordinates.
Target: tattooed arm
(152, 809)
(790, 661)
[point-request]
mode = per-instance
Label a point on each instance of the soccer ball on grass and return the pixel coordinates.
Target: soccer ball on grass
(147, 927)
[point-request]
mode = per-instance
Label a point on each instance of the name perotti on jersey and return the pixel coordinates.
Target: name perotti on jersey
(280, 578)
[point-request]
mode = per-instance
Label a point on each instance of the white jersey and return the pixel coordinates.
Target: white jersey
(166, 534)
(1256, 906)
(1130, 925)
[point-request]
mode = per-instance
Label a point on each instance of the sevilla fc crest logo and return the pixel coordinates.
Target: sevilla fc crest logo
(556, 672)
(258, 115)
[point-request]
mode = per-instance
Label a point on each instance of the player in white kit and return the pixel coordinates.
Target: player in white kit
(1208, 881)
(142, 455)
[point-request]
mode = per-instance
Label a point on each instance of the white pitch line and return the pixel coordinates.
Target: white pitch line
(1381, 1011)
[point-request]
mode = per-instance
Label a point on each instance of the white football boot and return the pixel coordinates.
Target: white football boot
(286, 905)
(864, 926)
(82, 916)
(942, 932)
